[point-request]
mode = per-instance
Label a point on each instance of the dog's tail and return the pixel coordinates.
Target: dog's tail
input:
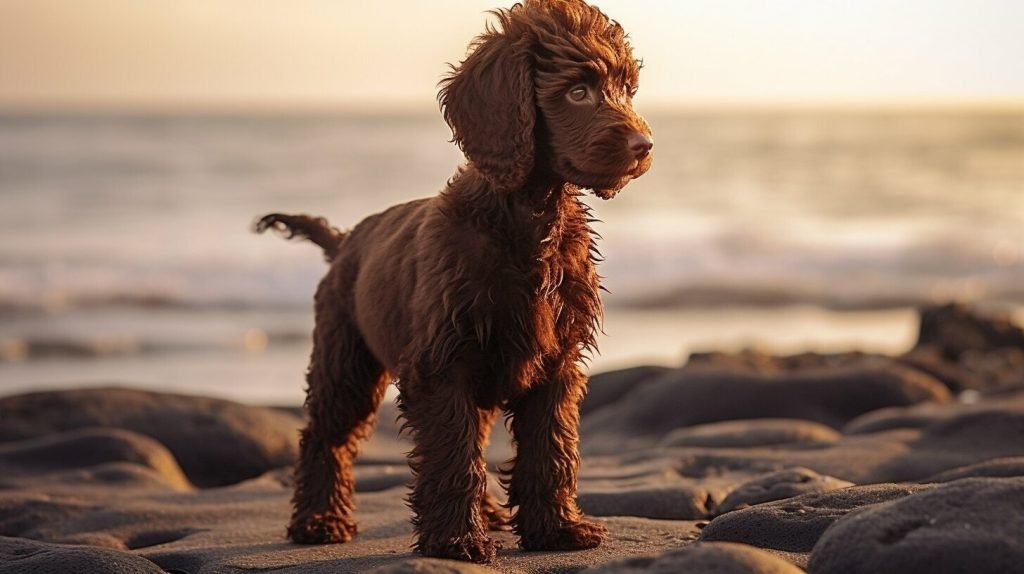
(315, 229)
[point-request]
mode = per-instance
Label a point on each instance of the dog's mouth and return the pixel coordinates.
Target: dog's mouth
(607, 187)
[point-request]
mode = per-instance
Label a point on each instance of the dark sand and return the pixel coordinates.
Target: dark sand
(742, 463)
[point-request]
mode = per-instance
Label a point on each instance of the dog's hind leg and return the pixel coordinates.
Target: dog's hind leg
(346, 384)
(450, 433)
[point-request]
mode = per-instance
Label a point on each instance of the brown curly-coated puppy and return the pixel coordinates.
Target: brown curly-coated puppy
(481, 299)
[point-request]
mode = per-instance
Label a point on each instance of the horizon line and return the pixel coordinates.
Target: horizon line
(407, 108)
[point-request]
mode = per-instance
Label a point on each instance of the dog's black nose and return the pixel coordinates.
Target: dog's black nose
(640, 144)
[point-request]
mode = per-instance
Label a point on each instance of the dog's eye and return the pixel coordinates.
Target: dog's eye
(579, 94)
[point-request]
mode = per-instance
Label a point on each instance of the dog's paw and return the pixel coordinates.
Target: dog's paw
(321, 529)
(477, 548)
(577, 536)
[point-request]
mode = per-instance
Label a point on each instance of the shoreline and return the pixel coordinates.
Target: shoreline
(273, 373)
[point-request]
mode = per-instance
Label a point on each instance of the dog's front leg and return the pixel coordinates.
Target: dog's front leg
(545, 425)
(450, 473)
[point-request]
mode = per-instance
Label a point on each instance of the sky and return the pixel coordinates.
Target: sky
(183, 54)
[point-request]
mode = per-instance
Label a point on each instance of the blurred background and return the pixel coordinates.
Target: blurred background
(821, 169)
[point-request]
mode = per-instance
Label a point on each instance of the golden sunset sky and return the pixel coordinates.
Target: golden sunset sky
(186, 54)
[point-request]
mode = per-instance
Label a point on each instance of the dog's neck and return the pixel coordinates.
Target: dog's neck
(528, 216)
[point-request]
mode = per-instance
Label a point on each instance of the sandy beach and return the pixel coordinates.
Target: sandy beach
(735, 462)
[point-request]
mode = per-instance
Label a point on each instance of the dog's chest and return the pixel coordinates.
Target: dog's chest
(542, 304)
(547, 305)
(564, 305)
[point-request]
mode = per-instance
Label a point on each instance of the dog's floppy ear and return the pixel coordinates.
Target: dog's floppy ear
(488, 102)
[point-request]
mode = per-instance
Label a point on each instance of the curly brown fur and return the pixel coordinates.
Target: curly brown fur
(315, 229)
(483, 299)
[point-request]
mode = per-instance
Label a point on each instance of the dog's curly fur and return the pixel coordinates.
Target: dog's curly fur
(482, 299)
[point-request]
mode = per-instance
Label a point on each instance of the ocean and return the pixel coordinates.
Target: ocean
(126, 255)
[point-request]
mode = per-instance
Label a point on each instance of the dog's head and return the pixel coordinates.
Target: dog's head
(549, 91)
